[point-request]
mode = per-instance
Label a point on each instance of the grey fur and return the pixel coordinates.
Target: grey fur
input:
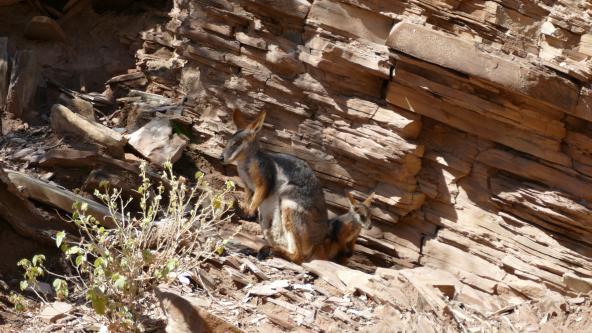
(292, 185)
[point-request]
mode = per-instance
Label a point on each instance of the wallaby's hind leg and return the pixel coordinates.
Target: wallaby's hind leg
(292, 248)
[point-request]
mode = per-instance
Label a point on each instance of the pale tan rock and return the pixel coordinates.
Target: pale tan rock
(54, 311)
(577, 283)
(350, 20)
(531, 289)
(184, 315)
(470, 122)
(157, 142)
(462, 56)
(289, 8)
(584, 107)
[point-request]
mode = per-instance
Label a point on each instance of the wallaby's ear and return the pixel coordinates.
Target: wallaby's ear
(257, 124)
(369, 200)
(239, 119)
(352, 200)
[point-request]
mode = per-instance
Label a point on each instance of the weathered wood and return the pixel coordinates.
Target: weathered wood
(3, 71)
(56, 196)
(255, 269)
(21, 214)
(237, 276)
(65, 121)
(24, 79)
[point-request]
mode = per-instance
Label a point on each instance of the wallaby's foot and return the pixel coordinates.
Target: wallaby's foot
(245, 215)
(264, 253)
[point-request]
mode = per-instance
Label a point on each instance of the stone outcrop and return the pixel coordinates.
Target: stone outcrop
(470, 120)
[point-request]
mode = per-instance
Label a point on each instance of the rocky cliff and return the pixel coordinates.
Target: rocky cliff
(470, 119)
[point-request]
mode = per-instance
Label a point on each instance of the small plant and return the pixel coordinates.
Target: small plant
(18, 301)
(175, 230)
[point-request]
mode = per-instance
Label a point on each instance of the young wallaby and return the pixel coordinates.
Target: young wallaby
(345, 229)
(283, 188)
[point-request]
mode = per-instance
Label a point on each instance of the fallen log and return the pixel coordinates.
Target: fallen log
(78, 158)
(21, 214)
(57, 196)
(63, 120)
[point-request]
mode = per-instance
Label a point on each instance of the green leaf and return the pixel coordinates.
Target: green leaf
(104, 184)
(199, 175)
(100, 262)
(60, 238)
(38, 259)
(147, 256)
(24, 263)
(118, 281)
(230, 185)
(23, 285)
(61, 288)
(217, 203)
(79, 260)
(73, 250)
(37, 271)
(171, 264)
(98, 300)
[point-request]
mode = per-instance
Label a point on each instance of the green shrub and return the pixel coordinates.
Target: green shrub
(176, 229)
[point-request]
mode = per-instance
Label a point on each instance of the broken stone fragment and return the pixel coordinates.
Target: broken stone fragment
(577, 283)
(44, 28)
(157, 142)
(185, 315)
(54, 311)
(79, 105)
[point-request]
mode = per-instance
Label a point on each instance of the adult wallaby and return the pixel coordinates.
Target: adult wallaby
(345, 229)
(283, 188)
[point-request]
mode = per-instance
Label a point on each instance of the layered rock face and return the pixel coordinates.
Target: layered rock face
(469, 119)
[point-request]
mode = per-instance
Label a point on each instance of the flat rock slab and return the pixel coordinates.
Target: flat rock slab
(54, 311)
(156, 142)
(44, 28)
(454, 53)
(185, 315)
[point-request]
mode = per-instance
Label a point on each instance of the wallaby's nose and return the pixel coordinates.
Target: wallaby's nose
(222, 158)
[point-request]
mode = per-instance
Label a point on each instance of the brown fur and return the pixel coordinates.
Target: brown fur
(261, 190)
(342, 245)
(258, 171)
(339, 245)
